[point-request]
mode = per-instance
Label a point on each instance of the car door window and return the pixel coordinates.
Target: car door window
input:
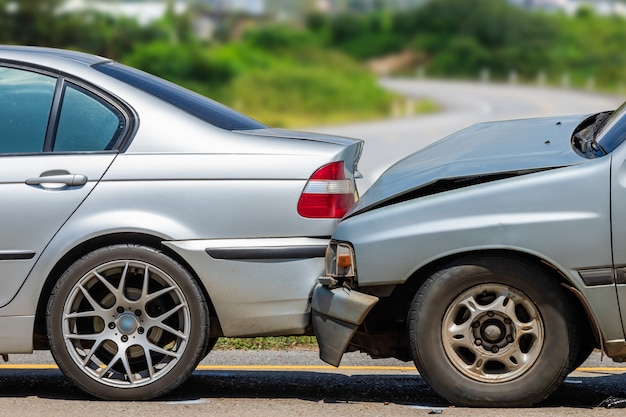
(25, 103)
(86, 122)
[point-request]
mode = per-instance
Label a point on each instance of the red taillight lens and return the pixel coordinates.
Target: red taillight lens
(329, 194)
(334, 171)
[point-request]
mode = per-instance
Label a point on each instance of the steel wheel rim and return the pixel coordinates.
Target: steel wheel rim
(126, 323)
(492, 333)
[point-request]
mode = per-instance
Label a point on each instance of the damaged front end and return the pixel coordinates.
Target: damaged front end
(337, 310)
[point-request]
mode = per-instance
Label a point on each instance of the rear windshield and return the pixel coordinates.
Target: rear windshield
(199, 106)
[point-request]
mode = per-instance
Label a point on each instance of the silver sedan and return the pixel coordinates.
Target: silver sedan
(140, 221)
(495, 259)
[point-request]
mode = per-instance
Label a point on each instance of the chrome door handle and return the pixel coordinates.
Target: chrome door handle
(70, 180)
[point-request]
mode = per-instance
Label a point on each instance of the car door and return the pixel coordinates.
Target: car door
(618, 232)
(57, 139)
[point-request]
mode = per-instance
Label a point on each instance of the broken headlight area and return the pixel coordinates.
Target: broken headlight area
(340, 265)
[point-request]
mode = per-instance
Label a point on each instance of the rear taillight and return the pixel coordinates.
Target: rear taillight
(329, 194)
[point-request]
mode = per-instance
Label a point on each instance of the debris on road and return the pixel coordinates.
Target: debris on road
(613, 402)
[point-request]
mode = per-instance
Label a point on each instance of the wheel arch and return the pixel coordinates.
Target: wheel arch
(40, 338)
(394, 308)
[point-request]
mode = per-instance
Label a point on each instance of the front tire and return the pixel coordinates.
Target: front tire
(492, 332)
(127, 322)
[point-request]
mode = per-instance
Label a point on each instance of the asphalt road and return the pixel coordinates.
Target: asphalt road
(282, 383)
(244, 383)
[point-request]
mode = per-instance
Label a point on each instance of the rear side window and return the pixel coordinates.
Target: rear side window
(42, 113)
(25, 104)
(199, 106)
(86, 123)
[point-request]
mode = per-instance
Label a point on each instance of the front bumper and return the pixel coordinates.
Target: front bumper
(336, 315)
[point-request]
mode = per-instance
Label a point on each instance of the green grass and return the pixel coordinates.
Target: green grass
(268, 343)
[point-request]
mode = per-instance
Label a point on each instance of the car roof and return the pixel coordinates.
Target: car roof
(38, 54)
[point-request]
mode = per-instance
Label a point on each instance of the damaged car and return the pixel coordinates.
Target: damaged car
(494, 259)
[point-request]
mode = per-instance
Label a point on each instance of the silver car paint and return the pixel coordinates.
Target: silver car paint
(221, 177)
(570, 215)
(276, 300)
(526, 219)
(484, 148)
(618, 223)
(24, 212)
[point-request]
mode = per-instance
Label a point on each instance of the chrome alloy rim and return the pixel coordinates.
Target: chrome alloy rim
(492, 333)
(126, 323)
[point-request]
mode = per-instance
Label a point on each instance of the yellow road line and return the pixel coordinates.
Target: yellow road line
(294, 368)
(242, 367)
(302, 367)
(602, 369)
(28, 366)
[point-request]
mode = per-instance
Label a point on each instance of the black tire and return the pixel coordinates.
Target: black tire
(211, 342)
(586, 348)
(492, 332)
(127, 322)
(209, 347)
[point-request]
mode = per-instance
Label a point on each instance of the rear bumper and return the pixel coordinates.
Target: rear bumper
(258, 287)
(336, 315)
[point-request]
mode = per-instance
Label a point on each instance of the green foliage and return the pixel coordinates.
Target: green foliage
(460, 38)
(465, 36)
(371, 45)
(193, 63)
(31, 22)
(361, 36)
(282, 70)
(100, 33)
(461, 56)
(277, 74)
(278, 37)
(268, 343)
(303, 91)
(589, 45)
(313, 75)
(280, 74)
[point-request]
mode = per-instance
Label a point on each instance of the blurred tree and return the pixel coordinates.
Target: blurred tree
(5, 33)
(178, 26)
(319, 25)
(462, 36)
(590, 45)
(101, 33)
(456, 37)
(361, 36)
(462, 56)
(346, 27)
(585, 11)
(358, 6)
(278, 36)
(192, 66)
(32, 21)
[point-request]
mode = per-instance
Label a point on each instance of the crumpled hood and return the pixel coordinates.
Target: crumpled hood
(481, 149)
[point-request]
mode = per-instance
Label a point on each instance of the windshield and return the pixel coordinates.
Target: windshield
(613, 131)
(195, 104)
